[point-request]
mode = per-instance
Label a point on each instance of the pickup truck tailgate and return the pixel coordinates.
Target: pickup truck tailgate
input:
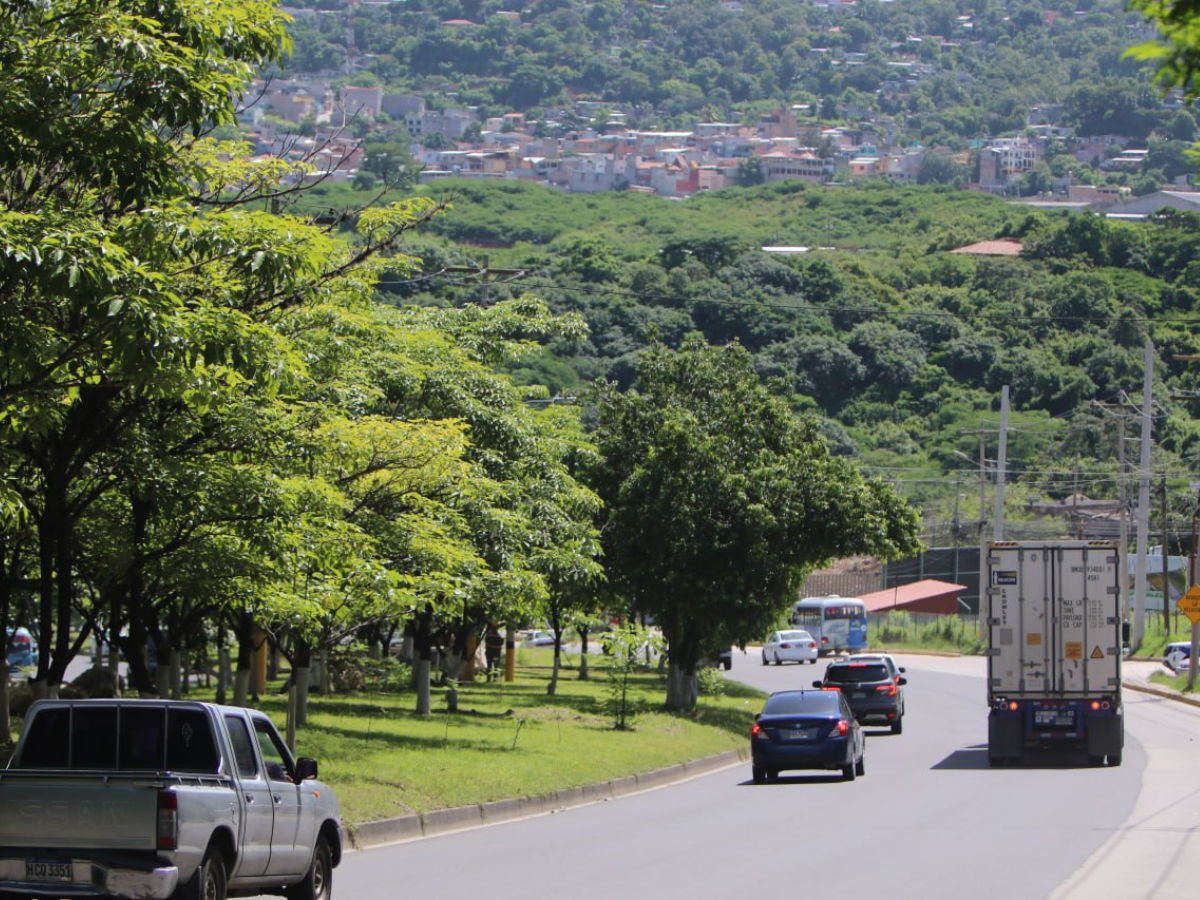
(78, 810)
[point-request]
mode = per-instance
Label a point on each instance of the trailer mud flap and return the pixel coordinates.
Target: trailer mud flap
(1105, 735)
(1005, 737)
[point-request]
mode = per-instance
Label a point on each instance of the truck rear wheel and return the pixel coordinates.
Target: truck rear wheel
(210, 882)
(318, 882)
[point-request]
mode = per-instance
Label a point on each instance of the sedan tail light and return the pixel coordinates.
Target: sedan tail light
(757, 733)
(841, 727)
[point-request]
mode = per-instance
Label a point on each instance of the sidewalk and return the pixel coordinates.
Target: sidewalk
(1137, 678)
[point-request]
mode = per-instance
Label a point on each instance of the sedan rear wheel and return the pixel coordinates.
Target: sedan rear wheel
(860, 767)
(759, 774)
(848, 772)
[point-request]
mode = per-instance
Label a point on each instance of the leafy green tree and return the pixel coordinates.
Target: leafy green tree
(719, 500)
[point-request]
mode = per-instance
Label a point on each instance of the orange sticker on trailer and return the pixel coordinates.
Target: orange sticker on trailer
(1073, 650)
(1034, 639)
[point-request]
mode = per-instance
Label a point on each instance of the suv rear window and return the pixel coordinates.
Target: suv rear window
(856, 673)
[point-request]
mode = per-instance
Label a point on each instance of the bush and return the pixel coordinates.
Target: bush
(711, 682)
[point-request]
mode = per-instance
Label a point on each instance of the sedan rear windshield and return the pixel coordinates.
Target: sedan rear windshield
(852, 673)
(808, 702)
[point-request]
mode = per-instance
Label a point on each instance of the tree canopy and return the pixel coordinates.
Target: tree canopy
(720, 500)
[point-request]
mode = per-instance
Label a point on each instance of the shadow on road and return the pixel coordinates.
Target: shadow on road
(976, 757)
(799, 778)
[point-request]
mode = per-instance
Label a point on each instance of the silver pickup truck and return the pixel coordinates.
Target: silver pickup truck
(162, 799)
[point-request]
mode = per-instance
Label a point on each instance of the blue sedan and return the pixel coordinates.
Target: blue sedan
(806, 730)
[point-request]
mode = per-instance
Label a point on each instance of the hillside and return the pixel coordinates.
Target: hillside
(899, 345)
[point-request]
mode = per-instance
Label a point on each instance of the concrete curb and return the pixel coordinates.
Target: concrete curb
(1164, 693)
(446, 821)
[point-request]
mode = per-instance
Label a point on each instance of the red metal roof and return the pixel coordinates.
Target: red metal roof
(912, 595)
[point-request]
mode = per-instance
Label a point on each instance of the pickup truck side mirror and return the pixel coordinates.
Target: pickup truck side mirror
(306, 767)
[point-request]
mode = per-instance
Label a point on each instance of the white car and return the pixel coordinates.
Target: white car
(538, 639)
(795, 646)
(1177, 656)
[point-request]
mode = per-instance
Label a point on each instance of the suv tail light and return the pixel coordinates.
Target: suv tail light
(889, 689)
(168, 820)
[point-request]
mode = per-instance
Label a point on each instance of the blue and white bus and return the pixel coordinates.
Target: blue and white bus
(837, 624)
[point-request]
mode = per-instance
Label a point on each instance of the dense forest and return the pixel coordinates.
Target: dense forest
(898, 345)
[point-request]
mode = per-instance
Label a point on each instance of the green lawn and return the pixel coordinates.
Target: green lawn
(506, 740)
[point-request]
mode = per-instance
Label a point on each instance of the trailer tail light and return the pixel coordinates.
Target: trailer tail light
(1012, 706)
(168, 820)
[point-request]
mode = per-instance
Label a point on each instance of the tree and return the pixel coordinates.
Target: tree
(718, 500)
(141, 286)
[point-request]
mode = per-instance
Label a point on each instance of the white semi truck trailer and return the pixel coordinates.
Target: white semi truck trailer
(1053, 619)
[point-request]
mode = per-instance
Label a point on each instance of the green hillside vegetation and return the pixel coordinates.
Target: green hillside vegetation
(900, 346)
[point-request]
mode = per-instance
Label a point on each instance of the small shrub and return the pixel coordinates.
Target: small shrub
(711, 683)
(625, 647)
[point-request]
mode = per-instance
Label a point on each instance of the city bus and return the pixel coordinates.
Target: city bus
(837, 624)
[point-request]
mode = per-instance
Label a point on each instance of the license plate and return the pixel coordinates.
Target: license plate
(47, 870)
(1054, 718)
(860, 695)
(801, 734)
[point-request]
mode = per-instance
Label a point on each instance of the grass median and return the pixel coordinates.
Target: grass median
(506, 739)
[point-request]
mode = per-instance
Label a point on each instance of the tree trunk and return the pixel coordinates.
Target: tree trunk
(424, 654)
(583, 654)
(223, 668)
(300, 675)
(683, 688)
(241, 687)
(245, 654)
(552, 687)
(175, 673)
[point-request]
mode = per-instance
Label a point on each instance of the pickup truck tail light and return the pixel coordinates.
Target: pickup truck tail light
(168, 820)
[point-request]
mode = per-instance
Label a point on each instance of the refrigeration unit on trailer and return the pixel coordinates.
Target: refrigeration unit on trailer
(1054, 649)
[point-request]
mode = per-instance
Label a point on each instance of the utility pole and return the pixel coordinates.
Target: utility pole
(1001, 453)
(1143, 535)
(1166, 579)
(485, 272)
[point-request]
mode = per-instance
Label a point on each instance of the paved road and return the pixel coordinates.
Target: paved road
(930, 820)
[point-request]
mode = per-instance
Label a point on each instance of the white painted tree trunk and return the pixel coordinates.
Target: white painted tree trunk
(683, 688)
(241, 688)
(421, 674)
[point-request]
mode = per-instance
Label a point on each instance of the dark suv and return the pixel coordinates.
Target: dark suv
(873, 692)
